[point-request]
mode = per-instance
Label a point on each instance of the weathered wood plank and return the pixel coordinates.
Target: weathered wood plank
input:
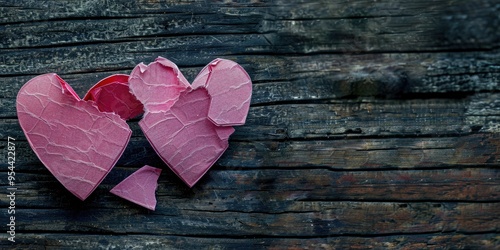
(362, 117)
(274, 191)
(352, 154)
(304, 219)
(366, 153)
(288, 26)
(276, 79)
(98, 241)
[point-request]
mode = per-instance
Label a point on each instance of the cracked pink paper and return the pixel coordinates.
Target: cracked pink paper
(77, 143)
(140, 187)
(189, 126)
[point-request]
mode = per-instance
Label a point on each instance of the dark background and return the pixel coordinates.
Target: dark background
(373, 124)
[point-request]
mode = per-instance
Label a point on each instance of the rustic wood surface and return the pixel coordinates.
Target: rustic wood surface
(373, 124)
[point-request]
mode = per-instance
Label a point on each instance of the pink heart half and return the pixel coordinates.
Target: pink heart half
(77, 143)
(189, 126)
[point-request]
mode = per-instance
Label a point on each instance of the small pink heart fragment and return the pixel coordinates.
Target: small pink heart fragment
(189, 126)
(140, 187)
(112, 94)
(77, 143)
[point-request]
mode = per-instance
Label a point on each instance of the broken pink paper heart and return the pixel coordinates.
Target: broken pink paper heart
(78, 143)
(189, 125)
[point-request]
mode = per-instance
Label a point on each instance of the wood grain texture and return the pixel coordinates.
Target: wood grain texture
(373, 124)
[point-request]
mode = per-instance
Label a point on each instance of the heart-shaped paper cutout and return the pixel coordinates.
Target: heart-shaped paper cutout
(189, 126)
(77, 143)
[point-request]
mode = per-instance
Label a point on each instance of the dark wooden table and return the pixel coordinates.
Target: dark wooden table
(373, 124)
